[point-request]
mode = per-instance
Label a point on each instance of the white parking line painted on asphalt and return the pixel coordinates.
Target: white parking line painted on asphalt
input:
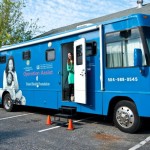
(15, 116)
(60, 126)
(140, 144)
(49, 129)
(83, 119)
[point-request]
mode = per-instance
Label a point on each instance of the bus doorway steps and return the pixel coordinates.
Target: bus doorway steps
(65, 113)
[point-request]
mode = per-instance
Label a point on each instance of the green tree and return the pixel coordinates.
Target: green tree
(13, 28)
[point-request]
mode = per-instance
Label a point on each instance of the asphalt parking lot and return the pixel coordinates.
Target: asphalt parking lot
(26, 129)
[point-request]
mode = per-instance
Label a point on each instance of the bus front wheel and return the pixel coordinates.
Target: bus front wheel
(126, 117)
(7, 102)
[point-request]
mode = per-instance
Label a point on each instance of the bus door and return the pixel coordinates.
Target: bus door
(80, 71)
(121, 72)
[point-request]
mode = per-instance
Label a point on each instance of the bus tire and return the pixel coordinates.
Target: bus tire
(7, 103)
(126, 117)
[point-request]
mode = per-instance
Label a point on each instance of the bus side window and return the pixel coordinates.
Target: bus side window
(120, 48)
(91, 48)
(2, 59)
(26, 55)
(50, 55)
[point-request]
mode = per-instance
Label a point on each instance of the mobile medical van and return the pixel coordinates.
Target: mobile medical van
(111, 71)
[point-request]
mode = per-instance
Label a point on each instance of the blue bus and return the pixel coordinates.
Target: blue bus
(111, 71)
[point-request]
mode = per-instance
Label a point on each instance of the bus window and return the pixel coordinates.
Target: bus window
(26, 55)
(120, 48)
(50, 55)
(79, 55)
(91, 49)
(146, 31)
(2, 59)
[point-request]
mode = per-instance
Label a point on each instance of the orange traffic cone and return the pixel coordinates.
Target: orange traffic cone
(48, 121)
(70, 125)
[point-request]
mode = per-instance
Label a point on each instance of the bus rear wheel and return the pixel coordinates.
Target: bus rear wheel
(7, 103)
(126, 117)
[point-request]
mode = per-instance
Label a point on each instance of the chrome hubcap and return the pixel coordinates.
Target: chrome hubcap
(7, 103)
(125, 117)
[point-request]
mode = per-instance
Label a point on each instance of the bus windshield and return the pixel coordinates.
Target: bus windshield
(147, 36)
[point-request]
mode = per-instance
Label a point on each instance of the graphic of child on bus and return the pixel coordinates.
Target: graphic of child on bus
(10, 83)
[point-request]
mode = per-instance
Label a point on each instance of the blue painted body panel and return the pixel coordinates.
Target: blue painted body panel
(41, 82)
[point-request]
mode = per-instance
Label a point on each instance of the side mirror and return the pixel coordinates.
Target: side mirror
(137, 57)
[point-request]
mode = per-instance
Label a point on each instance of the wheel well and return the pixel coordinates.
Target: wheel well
(113, 103)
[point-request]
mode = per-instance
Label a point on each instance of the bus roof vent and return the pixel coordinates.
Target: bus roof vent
(84, 25)
(139, 3)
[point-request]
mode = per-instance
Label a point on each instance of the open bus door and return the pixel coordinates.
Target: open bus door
(80, 71)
